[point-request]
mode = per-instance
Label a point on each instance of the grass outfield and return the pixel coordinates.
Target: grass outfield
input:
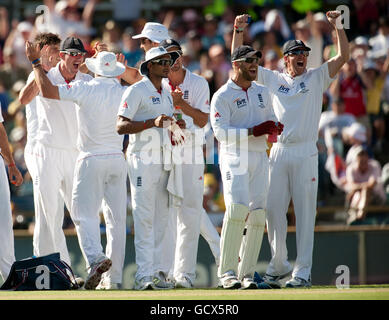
(371, 292)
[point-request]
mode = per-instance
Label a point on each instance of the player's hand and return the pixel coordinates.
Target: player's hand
(267, 127)
(332, 16)
(33, 52)
(177, 97)
(163, 121)
(241, 21)
(280, 128)
(15, 176)
(181, 123)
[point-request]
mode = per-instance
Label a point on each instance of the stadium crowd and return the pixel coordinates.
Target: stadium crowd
(353, 132)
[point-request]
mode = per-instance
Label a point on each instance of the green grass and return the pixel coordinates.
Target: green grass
(370, 292)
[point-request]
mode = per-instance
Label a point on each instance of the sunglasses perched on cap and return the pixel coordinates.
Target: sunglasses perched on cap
(249, 60)
(163, 62)
(305, 53)
(74, 54)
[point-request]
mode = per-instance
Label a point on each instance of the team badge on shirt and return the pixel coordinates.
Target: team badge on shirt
(260, 98)
(283, 89)
(186, 95)
(155, 100)
(240, 103)
(303, 88)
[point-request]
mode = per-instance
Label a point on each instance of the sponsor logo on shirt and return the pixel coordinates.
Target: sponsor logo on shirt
(240, 103)
(207, 102)
(283, 89)
(260, 98)
(303, 88)
(125, 105)
(68, 86)
(155, 100)
(186, 94)
(217, 116)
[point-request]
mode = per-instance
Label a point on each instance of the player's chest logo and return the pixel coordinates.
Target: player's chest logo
(240, 103)
(186, 95)
(155, 100)
(260, 99)
(283, 89)
(302, 88)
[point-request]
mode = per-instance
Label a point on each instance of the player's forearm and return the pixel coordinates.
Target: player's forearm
(4, 146)
(200, 118)
(29, 92)
(127, 126)
(45, 86)
(237, 40)
(343, 55)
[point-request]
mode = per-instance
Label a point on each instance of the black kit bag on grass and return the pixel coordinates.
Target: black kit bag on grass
(41, 273)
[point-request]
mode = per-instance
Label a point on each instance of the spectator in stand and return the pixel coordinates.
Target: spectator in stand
(363, 185)
(272, 61)
(210, 36)
(132, 53)
(380, 43)
(219, 65)
(16, 40)
(349, 86)
(276, 22)
(4, 30)
(354, 136)
(374, 81)
(112, 36)
(10, 71)
(195, 45)
(366, 13)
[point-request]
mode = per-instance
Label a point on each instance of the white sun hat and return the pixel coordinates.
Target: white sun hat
(105, 64)
(153, 31)
(154, 53)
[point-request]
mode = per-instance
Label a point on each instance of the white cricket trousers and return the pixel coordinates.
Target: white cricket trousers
(7, 255)
(293, 174)
(245, 186)
(54, 178)
(149, 198)
(101, 177)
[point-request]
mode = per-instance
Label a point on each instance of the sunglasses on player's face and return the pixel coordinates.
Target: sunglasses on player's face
(163, 62)
(74, 54)
(298, 52)
(249, 60)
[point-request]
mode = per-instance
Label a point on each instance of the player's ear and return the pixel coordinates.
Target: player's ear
(62, 55)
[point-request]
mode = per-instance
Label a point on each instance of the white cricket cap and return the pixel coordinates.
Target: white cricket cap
(153, 31)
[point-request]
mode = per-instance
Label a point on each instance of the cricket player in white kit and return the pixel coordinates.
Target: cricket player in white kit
(101, 170)
(241, 117)
(146, 105)
(7, 254)
(56, 152)
(190, 93)
(297, 100)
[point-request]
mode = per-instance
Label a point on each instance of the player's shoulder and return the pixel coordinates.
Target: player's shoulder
(260, 87)
(196, 78)
(223, 91)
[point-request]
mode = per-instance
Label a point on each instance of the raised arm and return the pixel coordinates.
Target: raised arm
(28, 92)
(239, 25)
(335, 63)
(45, 86)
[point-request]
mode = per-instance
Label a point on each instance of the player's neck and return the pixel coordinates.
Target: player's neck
(66, 74)
(177, 77)
(156, 81)
(241, 82)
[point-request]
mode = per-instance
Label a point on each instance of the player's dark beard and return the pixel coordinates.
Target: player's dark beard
(247, 76)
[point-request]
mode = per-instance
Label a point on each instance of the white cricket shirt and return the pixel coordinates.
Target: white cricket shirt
(234, 108)
(141, 102)
(297, 101)
(195, 91)
(31, 115)
(57, 120)
(97, 103)
(1, 118)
